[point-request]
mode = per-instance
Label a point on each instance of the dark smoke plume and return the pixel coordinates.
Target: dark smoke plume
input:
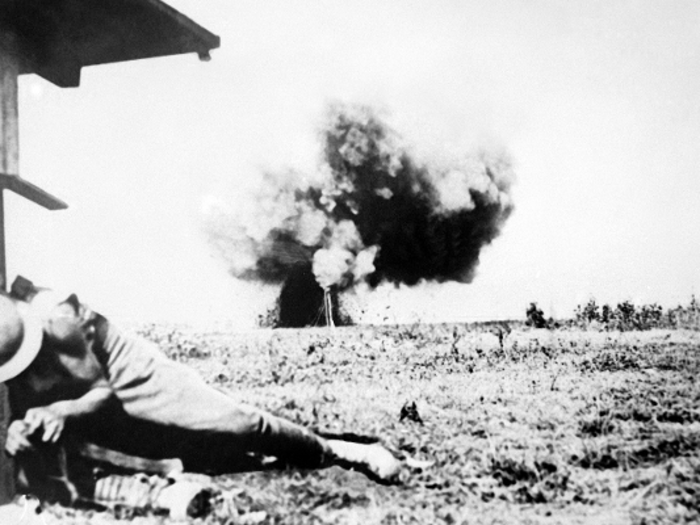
(378, 214)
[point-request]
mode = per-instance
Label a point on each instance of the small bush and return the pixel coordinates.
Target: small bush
(589, 312)
(687, 317)
(535, 317)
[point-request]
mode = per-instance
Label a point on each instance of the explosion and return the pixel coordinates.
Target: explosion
(377, 214)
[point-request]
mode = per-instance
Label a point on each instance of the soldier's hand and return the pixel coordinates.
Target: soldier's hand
(43, 417)
(17, 438)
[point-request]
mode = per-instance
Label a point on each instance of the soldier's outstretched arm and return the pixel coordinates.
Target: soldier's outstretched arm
(52, 418)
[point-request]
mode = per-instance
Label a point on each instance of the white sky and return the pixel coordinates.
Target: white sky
(598, 102)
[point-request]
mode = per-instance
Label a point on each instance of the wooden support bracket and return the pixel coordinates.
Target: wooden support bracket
(30, 191)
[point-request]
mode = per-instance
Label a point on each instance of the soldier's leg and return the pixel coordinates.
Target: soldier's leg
(258, 431)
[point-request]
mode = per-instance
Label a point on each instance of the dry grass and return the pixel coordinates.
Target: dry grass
(539, 427)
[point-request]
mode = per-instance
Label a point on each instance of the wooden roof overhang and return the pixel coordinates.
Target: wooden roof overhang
(57, 38)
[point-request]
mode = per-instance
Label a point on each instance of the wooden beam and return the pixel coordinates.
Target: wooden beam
(9, 163)
(63, 73)
(9, 123)
(30, 191)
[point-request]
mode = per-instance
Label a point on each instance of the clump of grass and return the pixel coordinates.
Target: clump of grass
(528, 481)
(614, 454)
(628, 356)
(673, 496)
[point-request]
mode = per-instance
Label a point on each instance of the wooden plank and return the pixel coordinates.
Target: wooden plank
(7, 473)
(63, 73)
(9, 123)
(9, 163)
(3, 267)
(32, 192)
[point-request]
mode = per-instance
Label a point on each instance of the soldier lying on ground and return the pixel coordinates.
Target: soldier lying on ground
(73, 375)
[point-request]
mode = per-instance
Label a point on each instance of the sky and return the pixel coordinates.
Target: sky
(596, 102)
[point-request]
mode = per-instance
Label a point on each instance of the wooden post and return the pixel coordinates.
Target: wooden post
(9, 164)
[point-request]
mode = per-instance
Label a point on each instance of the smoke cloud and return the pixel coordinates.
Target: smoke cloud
(374, 212)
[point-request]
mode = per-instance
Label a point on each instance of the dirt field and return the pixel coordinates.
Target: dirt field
(562, 426)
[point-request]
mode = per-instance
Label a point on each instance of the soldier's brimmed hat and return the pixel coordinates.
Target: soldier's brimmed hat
(20, 337)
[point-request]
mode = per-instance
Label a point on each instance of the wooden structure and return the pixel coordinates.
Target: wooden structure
(56, 39)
